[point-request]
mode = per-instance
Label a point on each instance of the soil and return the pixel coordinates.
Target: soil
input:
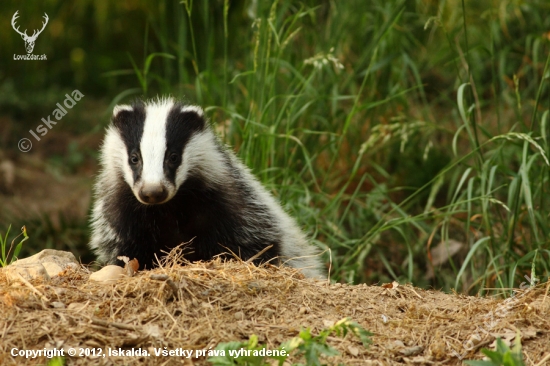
(39, 190)
(203, 304)
(218, 301)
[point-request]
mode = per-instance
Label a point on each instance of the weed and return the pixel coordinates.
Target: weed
(306, 345)
(9, 257)
(57, 361)
(387, 128)
(503, 355)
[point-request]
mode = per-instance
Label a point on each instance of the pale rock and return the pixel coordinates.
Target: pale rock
(108, 274)
(52, 268)
(45, 265)
(28, 271)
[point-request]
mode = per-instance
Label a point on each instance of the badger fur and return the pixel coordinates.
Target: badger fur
(167, 180)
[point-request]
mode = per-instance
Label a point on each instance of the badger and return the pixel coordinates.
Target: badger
(166, 179)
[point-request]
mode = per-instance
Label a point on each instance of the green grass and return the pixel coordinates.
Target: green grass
(502, 355)
(387, 128)
(305, 346)
(56, 361)
(10, 254)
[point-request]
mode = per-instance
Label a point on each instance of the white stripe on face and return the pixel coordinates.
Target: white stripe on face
(153, 143)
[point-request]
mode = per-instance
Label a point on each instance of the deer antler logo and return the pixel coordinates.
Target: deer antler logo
(29, 41)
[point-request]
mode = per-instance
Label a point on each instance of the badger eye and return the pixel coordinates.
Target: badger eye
(134, 159)
(174, 158)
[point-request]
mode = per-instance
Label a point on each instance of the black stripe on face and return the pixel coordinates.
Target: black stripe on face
(180, 126)
(130, 124)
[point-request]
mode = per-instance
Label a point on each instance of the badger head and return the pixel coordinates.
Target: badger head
(150, 145)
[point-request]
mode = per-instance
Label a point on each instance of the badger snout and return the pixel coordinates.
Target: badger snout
(153, 193)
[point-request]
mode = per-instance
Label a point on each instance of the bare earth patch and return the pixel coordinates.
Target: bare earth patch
(208, 303)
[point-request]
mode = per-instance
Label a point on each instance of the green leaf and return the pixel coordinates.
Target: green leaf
(479, 363)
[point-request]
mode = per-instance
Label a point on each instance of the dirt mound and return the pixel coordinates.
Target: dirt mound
(203, 304)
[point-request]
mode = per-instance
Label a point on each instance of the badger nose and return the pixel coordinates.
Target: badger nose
(153, 193)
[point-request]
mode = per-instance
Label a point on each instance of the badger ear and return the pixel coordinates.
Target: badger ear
(185, 120)
(121, 115)
(126, 117)
(120, 108)
(194, 109)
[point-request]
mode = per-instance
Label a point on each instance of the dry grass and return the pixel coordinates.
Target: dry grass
(219, 301)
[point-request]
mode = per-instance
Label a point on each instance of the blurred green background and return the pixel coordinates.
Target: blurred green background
(409, 138)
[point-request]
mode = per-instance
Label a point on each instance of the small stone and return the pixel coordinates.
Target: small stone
(328, 323)
(354, 351)
(57, 305)
(239, 315)
(398, 343)
(108, 274)
(153, 330)
(411, 351)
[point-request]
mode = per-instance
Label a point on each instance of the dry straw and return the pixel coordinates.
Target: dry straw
(196, 306)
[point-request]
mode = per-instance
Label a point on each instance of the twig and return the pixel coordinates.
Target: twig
(107, 324)
(232, 253)
(412, 289)
(546, 358)
(168, 280)
(34, 289)
(255, 256)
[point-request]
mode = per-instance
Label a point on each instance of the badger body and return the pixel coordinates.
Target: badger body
(167, 180)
